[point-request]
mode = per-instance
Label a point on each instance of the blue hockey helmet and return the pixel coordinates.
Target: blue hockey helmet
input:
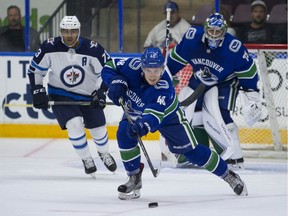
(152, 58)
(215, 28)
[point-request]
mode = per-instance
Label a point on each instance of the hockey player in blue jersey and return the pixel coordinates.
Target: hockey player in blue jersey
(152, 104)
(74, 64)
(223, 64)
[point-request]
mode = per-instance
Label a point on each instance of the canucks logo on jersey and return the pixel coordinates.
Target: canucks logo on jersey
(206, 76)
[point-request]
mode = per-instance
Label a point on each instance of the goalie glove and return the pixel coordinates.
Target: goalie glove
(251, 106)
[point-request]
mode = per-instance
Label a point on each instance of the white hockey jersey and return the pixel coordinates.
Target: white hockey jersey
(74, 73)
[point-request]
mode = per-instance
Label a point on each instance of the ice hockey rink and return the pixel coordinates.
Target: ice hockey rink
(45, 177)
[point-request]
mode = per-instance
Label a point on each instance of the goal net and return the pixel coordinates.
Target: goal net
(270, 133)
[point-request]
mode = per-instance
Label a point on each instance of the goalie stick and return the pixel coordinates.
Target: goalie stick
(154, 171)
(194, 96)
(55, 103)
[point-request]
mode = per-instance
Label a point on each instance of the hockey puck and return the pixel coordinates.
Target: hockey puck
(153, 205)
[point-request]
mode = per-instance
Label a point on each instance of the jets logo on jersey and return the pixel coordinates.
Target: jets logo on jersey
(72, 75)
(206, 76)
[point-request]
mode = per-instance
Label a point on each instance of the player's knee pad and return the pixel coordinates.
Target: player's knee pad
(75, 127)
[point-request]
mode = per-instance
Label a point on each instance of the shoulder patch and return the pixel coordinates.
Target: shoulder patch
(51, 41)
(93, 44)
(135, 64)
(190, 34)
(235, 45)
(162, 84)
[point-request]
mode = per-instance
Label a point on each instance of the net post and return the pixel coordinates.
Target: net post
(270, 101)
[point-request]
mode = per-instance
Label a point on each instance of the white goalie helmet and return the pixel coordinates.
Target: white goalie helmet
(70, 22)
(215, 29)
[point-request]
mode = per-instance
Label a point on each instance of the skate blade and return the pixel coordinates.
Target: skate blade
(93, 175)
(245, 191)
(236, 167)
(128, 196)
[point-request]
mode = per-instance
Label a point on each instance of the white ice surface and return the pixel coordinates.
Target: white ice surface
(45, 177)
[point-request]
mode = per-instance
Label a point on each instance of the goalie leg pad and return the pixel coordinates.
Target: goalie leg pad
(214, 123)
(189, 110)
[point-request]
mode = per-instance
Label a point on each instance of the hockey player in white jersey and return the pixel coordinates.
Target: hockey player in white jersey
(223, 64)
(152, 104)
(74, 64)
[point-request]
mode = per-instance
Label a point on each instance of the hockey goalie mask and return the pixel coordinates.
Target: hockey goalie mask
(70, 30)
(215, 28)
(152, 62)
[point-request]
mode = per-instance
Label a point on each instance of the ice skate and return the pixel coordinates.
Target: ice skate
(89, 166)
(108, 161)
(235, 164)
(236, 183)
(131, 189)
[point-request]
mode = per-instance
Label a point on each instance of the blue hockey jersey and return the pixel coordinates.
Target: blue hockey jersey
(228, 63)
(155, 104)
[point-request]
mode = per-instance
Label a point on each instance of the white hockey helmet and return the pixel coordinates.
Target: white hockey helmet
(70, 22)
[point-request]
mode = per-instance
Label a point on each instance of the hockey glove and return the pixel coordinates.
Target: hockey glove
(118, 89)
(251, 106)
(98, 99)
(140, 128)
(40, 99)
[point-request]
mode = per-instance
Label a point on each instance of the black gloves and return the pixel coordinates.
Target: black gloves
(98, 99)
(40, 99)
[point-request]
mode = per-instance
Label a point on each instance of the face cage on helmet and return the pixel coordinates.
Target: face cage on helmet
(215, 33)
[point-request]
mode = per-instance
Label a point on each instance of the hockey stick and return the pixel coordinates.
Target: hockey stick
(55, 103)
(168, 14)
(154, 171)
(194, 96)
